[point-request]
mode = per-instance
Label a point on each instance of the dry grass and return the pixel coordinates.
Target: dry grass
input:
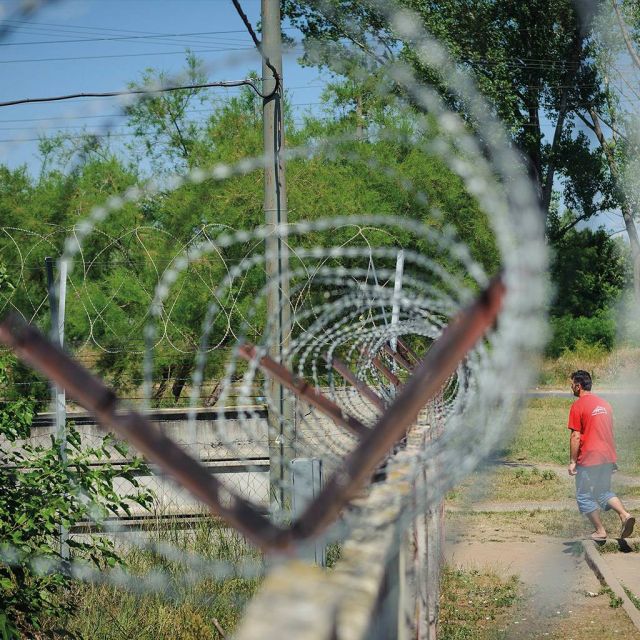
(567, 524)
(618, 369)
(508, 485)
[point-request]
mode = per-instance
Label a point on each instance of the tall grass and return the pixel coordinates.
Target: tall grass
(187, 607)
(619, 369)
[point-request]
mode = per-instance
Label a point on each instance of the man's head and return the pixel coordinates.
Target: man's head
(580, 380)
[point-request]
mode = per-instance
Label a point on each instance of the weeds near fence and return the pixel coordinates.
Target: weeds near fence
(475, 604)
(633, 597)
(194, 610)
(614, 600)
(334, 553)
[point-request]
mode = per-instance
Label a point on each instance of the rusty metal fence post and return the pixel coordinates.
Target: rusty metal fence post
(359, 465)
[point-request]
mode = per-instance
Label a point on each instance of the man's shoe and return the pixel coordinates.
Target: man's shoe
(627, 527)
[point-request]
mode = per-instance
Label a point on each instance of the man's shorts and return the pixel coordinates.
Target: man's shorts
(593, 487)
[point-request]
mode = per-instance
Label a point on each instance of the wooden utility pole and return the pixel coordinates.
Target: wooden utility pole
(280, 416)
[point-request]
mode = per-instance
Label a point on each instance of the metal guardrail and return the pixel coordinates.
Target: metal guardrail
(47, 419)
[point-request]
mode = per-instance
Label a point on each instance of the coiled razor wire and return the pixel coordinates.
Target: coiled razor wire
(342, 296)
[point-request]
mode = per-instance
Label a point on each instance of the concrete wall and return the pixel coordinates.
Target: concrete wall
(231, 443)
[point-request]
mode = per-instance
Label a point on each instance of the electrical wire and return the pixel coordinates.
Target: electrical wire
(258, 44)
(108, 38)
(65, 28)
(133, 92)
(25, 9)
(48, 119)
(120, 55)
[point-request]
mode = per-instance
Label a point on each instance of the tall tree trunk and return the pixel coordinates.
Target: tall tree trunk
(634, 241)
(627, 213)
(164, 381)
(568, 80)
(359, 118)
(181, 379)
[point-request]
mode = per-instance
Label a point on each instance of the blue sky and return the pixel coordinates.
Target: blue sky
(74, 46)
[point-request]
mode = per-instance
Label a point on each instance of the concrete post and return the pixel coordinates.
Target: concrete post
(57, 303)
(281, 415)
(397, 289)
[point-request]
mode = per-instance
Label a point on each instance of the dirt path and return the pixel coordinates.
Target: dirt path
(557, 582)
(633, 504)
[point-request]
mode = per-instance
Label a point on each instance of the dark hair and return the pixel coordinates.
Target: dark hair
(583, 378)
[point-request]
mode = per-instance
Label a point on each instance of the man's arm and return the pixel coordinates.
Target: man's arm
(574, 446)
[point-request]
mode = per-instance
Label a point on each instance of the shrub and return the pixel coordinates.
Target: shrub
(43, 491)
(568, 331)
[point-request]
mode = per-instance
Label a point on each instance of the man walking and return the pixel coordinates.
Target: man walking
(593, 456)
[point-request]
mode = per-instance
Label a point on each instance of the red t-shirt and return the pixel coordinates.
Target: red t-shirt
(593, 418)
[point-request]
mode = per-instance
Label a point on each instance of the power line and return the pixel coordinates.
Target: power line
(27, 24)
(121, 55)
(258, 45)
(107, 38)
(24, 9)
(133, 92)
(47, 119)
(62, 128)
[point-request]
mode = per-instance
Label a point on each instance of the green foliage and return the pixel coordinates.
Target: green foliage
(588, 272)
(614, 600)
(334, 554)
(534, 476)
(568, 332)
(628, 314)
(115, 277)
(502, 44)
(161, 121)
(189, 602)
(633, 597)
(42, 491)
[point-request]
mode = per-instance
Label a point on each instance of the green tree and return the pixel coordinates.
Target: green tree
(588, 272)
(614, 121)
(533, 61)
(162, 121)
(122, 261)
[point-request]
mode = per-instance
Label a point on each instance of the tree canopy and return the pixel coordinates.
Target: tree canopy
(544, 66)
(115, 276)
